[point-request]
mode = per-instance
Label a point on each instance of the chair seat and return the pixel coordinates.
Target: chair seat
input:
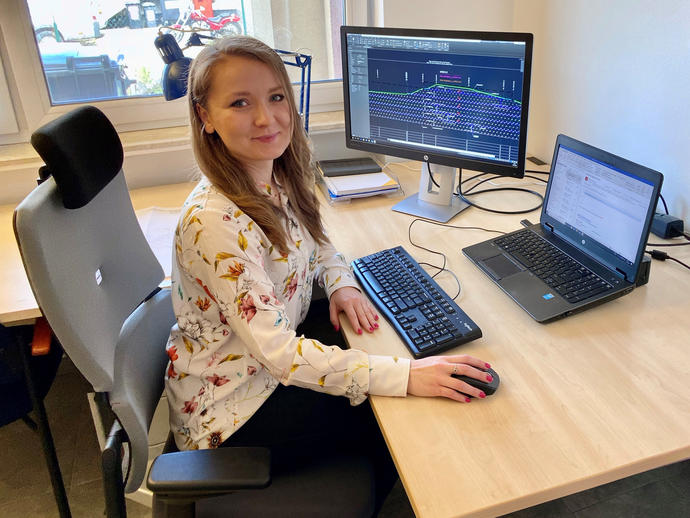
(339, 487)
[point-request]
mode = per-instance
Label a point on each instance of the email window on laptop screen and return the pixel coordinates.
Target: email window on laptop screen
(599, 202)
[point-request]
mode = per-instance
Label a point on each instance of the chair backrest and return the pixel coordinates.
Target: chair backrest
(91, 268)
(89, 265)
(140, 361)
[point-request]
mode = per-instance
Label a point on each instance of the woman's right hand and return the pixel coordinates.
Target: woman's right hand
(431, 377)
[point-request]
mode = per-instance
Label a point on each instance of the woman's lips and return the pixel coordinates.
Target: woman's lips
(266, 138)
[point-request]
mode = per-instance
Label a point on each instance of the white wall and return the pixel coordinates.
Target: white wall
(615, 74)
(466, 15)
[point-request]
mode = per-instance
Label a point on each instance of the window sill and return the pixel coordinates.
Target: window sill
(137, 142)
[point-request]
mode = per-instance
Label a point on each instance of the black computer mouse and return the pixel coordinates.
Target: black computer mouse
(488, 387)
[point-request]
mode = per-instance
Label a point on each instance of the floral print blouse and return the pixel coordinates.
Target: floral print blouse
(238, 301)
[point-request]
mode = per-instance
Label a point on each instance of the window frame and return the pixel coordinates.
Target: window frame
(31, 102)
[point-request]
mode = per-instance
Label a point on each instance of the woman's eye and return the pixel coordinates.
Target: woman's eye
(239, 103)
(277, 97)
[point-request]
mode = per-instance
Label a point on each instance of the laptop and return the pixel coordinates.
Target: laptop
(589, 244)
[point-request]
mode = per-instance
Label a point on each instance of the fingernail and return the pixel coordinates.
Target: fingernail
(337, 328)
(376, 326)
(371, 329)
(467, 400)
(482, 395)
(489, 377)
(359, 331)
(487, 365)
(376, 317)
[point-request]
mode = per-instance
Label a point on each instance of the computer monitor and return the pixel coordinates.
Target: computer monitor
(450, 99)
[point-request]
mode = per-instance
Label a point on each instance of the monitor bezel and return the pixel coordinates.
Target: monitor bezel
(517, 171)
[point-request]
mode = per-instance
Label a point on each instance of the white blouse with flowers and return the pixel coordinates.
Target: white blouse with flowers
(238, 300)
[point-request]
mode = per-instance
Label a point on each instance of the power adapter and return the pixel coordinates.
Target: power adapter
(666, 226)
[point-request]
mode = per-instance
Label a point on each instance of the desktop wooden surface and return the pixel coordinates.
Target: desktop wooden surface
(583, 401)
(595, 397)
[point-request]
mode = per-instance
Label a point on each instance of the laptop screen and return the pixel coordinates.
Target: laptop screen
(599, 202)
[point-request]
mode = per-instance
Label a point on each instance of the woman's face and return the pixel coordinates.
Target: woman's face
(248, 108)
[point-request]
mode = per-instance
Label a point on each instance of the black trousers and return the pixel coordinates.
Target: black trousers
(300, 424)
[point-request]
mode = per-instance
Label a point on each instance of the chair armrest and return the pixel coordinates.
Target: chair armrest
(200, 473)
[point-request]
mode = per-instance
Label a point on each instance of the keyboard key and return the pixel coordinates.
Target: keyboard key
(562, 273)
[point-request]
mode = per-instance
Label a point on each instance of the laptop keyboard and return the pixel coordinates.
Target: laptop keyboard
(567, 277)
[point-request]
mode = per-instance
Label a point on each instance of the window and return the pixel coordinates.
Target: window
(102, 52)
(103, 49)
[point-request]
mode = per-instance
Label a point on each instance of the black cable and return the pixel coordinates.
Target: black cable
(664, 202)
(547, 173)
(668, 244)
(409, 238)
(663, 256)
(448, 226)
(685, 235)
(493, 177)
(679, 262)
(431, 175)
(496, 189)
(443, 268)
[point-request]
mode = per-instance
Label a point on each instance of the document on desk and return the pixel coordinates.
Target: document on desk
(367, 184)
(158, 225)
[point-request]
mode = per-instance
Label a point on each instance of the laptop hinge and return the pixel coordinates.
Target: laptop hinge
(622, 274)
(549, 227)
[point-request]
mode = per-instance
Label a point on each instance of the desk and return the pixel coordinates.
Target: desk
(583, 401)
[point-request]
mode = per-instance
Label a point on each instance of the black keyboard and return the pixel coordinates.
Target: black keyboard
(570, 279)
(424, 316)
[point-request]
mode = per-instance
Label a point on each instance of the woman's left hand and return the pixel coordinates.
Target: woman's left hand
(358, 309)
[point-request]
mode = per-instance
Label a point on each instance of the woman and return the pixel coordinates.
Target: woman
(248, 246)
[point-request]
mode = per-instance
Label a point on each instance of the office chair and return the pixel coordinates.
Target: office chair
(27, 371)
(96, 281)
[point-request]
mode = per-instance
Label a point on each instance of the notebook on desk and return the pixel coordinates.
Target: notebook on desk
(589, 244)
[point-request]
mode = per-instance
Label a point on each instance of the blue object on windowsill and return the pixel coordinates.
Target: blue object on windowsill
(174, 79)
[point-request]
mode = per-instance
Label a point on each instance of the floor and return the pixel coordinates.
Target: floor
(25, 486)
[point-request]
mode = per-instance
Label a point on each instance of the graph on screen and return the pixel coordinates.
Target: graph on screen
(463, 102)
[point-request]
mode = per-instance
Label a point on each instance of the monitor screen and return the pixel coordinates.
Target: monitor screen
(599, 204)
(454, 98)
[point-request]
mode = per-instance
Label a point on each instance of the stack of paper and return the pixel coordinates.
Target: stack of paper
(358, 185)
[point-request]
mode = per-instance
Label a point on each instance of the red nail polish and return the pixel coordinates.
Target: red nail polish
(489, 377)
(487, 365)
(376, 326)
(337, 328)
(482, 395)
(467, 400)
(376, 317)
(371, 329)
(359, 331)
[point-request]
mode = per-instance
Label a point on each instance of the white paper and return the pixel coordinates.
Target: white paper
(360, 183)
(158, 225)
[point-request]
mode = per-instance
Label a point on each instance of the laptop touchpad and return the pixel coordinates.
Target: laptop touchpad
(499, 266)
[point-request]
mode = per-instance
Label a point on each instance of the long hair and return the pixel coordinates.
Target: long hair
(293, 170)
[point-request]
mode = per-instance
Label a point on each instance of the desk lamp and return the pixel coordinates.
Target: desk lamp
(174, 79)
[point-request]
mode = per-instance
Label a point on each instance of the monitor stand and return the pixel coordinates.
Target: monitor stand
(431, 202)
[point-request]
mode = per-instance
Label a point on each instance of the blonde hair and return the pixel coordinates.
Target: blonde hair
(293, 170)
